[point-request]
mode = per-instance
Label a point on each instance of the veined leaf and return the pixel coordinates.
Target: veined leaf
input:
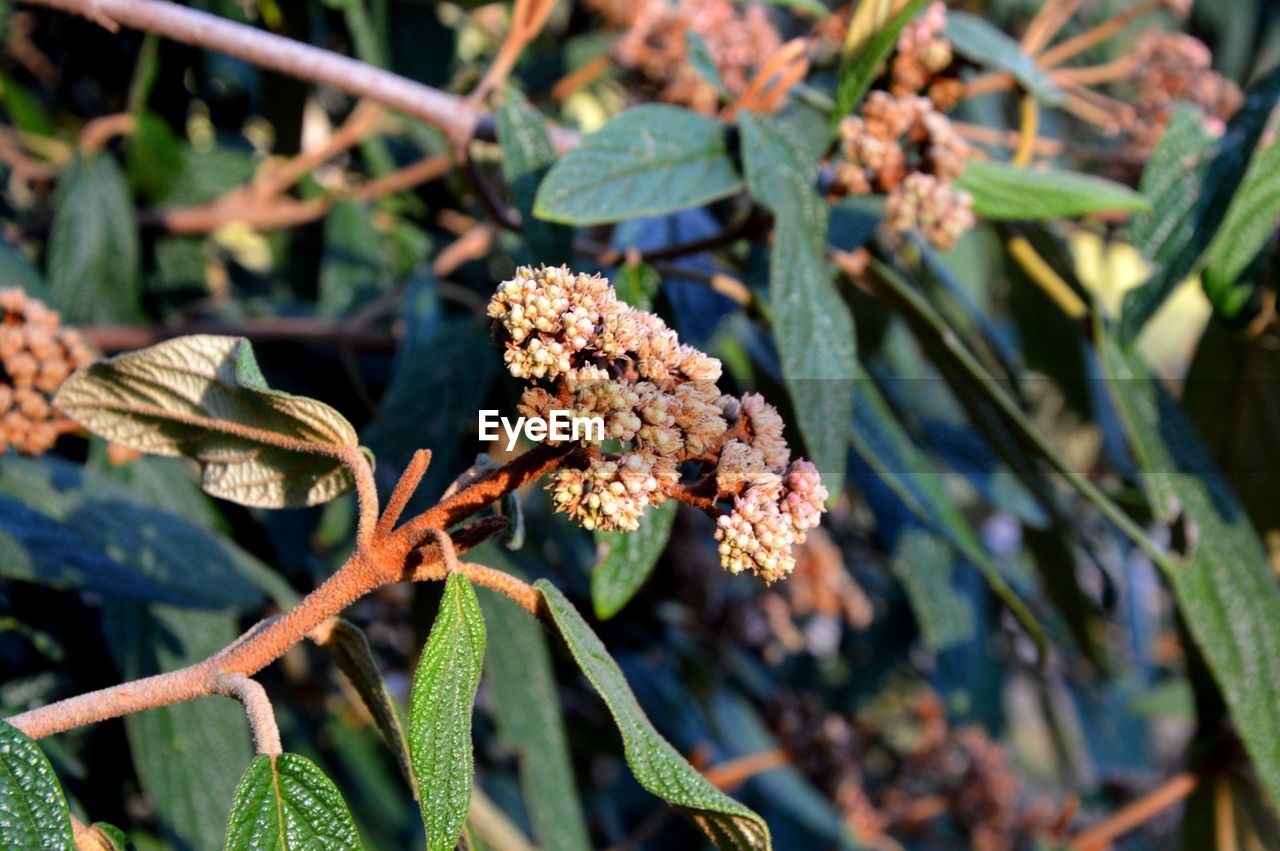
(189, 756)
(65, 529)
(347, 645)
(980, 42)
(527, 156)
(922, 562)
(93, 248)
(1172, 181)
(529, 715)
(811, 323)
(627, 559)
(657, 766)
(702, 61)
(859, 71)
(1004, 192)
(1250, 222)
(647, 161)
(286, 802)
(1224, 586)
(33, 810)
(205, 398)
(444, 692)
(1197, 230)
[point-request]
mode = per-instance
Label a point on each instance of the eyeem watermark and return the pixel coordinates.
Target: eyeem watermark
(560, 426)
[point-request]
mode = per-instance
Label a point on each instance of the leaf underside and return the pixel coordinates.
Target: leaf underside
(203, 397)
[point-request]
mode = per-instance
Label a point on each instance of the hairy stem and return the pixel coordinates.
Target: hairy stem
(382, 562)
(257, 709)
(453, 115)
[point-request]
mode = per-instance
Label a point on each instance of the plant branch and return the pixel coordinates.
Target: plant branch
(1173, 790)
(282, 329)
(257, 708)
(381, 562)
(458, 119)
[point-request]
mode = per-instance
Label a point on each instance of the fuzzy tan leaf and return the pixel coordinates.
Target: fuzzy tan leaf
(203, 397)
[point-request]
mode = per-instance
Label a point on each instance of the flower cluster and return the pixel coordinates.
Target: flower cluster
(922, 53)
(1168, 68)
(905, 148)
(738, 36)
(661, 407)
(37, 354)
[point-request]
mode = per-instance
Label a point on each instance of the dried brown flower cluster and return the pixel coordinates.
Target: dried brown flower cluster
(659, 402)
(922, 53)
(739, 37)
(905, 148)
(928, 776)
(1169, 68)
(38, 354)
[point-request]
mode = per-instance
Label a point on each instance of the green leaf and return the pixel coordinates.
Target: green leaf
(527, 156)
(33, 810)
(65, 529)
(286, 802)
(529, 715)
(702, 61)
(355, 267)
(16, 271)
(204, 397)
(627, 559)
(811, 323)
(1172, 181)
(637, 284)
(444, 692)
(1192, 234)
(1224, 586)
(111, 838)
(978, 41)
(647, 161)
(923, 564)
(93, 251)
(860, 70)
(188, 756)
(1250, 222)
(657, 766)
(1004, 192)
(347, 645)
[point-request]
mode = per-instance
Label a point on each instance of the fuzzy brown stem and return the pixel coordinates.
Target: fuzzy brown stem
(533, 464)
(451, 114)
(381, 563)
(1136, 814)
(257, 709)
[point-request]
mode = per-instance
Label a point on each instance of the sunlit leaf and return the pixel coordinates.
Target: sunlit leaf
(978, 41)
(444, 691)
(812, 325)
(1001, 191)
(647, 161)
(33, 810)
(1191, 235)
(627, 559)
(859, 71)
(92, 259)
(1224, 586)
(286, 802)
(204, 397)
(657, 766)
(527, 156)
